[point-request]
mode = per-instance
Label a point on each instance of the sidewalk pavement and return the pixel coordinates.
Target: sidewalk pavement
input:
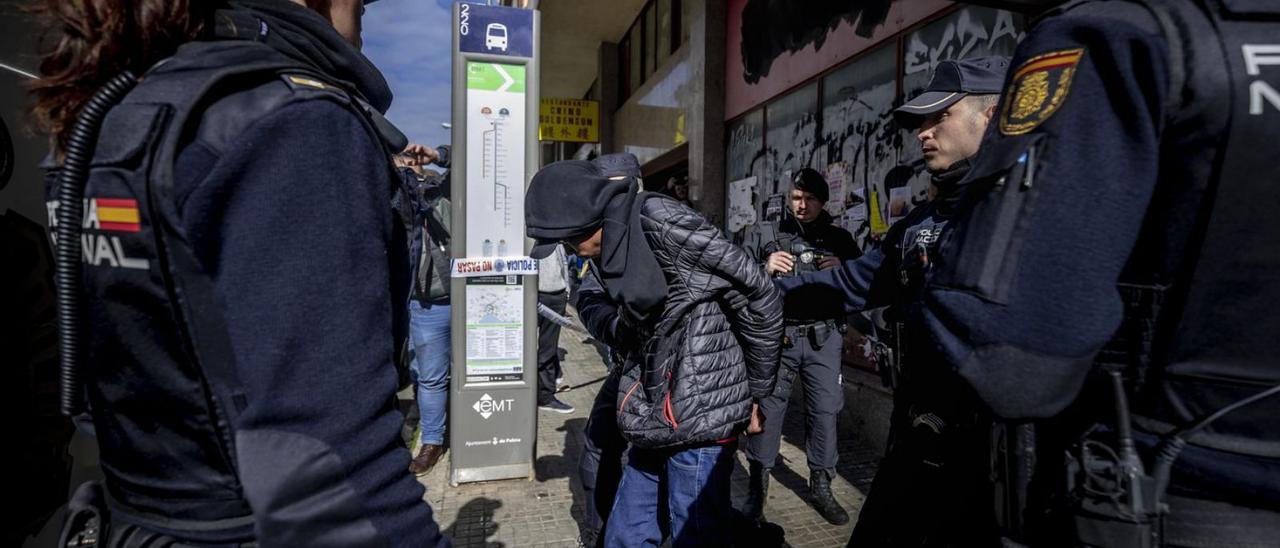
(544, 511)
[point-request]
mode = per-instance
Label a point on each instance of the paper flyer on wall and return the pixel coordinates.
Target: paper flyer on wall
(742, 213)
(837, 176)
(773, 208)
(495, 339)
(899, 203)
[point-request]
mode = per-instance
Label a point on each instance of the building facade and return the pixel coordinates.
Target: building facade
(826, 101)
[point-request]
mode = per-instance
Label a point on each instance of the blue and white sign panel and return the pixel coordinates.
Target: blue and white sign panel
(495, 30)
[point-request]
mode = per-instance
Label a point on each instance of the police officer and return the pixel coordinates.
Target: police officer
(245, 280)
(930, 486)
(1117, 278)
(807, 241)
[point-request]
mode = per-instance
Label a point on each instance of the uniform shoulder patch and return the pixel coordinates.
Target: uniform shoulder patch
(305, 83)
(297, 80)
(1038, 87)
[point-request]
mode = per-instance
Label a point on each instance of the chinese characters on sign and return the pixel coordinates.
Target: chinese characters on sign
(575, 120)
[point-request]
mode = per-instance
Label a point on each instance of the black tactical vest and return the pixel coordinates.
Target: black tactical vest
(1202, 288)
(159, 374)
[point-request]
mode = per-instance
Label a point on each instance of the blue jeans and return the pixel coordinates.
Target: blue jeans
(429, 334)
(695, 508)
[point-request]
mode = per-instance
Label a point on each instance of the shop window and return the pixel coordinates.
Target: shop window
(682, 9)
(650, 41)
(860, 141)
(664, 34)
(634, 38)
(791, 137)
(658, 31)
(746, 135)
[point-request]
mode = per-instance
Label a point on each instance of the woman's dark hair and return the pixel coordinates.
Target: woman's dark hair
(87, 42)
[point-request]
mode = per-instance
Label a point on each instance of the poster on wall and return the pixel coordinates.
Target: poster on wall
(495, 159)
(878, 224)
(773, 211)
(495, 334)
(742, 211)
(837, 176)
(899, 203)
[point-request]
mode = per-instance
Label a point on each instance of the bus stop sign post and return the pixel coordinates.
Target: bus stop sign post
(494, 288)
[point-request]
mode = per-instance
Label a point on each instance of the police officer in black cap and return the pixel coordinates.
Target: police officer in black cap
(1117, 280)
(930, 489)
(226, 225)
(807, 241)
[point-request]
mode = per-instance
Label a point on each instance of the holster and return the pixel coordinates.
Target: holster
(88, 520)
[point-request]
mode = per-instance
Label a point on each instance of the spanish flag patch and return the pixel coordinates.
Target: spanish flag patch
(1037, 89)
(120, 214)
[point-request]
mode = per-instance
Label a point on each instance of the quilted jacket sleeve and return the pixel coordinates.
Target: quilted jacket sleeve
(757, 318)
(598, 312)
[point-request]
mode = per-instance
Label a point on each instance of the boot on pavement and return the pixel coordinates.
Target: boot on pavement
(757, 491)
(428, 456)
(823, 500)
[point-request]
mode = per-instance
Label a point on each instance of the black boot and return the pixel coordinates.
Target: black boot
(823, 500)
(757, 490)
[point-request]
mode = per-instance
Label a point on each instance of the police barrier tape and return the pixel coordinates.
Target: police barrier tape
(493, 266)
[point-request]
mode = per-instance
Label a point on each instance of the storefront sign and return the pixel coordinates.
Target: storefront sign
(575, 120)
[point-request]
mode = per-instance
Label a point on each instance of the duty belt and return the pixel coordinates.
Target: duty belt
(816, 332)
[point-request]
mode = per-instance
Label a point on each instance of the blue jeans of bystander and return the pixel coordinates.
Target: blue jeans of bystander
(429, 333)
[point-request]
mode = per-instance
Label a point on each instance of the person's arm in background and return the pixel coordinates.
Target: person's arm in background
(1021, 314)
(294, 225)
(421, 155)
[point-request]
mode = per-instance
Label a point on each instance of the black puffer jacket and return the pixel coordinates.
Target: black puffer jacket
(730, 340)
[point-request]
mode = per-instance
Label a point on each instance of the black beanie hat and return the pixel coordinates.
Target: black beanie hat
(809, 180)
(567, 199)
(618, 164)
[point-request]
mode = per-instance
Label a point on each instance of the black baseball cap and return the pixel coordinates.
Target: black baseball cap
(565, 200)
(952, 81)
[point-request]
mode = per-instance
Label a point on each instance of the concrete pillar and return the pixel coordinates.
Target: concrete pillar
(704, 124)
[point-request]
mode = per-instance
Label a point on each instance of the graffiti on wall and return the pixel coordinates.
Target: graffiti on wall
(967, 33)
(874, 168)
(773, 27)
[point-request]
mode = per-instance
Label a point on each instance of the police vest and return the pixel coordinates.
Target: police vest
(1202, 287)
(805, 248)
(160, 378)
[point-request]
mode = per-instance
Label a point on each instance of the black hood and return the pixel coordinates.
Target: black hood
(629, 270)
(305, 36)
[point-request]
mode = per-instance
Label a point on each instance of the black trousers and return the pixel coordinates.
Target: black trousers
(931, 489)
(549, 346)
(600, 465)
(814, 360)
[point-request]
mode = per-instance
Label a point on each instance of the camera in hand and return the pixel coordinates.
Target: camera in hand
(807, 257)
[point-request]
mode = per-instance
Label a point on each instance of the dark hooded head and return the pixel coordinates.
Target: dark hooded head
(567, 200)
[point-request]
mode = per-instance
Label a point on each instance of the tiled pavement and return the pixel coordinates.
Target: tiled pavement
(544, 511)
